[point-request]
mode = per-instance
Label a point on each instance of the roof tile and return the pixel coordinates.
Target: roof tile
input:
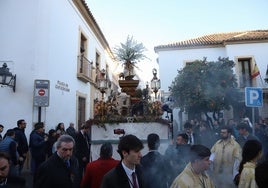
(219, 39)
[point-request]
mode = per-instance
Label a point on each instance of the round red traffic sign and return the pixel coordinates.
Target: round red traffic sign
(41, 92)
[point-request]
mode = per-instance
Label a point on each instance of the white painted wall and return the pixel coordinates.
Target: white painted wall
(258, 51)
(99, 135)
(41, 38)
(172, 61)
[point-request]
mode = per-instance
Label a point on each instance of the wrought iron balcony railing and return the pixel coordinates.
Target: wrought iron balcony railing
(84, 69)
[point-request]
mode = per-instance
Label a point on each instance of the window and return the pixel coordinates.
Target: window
(97, 60)
(189, 63)
(83, 64)
(81, 111)
(97, 65)
(83, 44)
(244, 72)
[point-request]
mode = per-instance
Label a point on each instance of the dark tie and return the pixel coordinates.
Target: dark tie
(190, 139)
(86, 139)
(134, 179)
(67, 163)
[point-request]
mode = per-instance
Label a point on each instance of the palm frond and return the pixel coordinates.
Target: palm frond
(130, 51)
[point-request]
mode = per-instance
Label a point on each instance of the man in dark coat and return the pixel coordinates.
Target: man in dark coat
(9, 145)
(192, 136)
(61, 169)
(128, 173)
(22, 142)
(82, 148)
(71, 130)
(178, 155)
(155, 166)
(6, 180)
(244, 134)
(37, 146)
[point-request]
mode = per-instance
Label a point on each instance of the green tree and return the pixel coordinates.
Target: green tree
(203, 86)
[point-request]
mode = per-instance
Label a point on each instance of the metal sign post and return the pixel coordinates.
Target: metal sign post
(41, 95)
(253, 98)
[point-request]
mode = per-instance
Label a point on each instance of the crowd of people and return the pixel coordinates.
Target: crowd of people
(45, 150)
(201, 155)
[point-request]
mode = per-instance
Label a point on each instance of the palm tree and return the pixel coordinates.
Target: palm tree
(129, 53)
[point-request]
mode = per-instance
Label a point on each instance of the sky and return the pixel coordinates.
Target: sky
(158, 22)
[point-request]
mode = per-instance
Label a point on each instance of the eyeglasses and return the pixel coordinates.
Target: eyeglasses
(3, 168)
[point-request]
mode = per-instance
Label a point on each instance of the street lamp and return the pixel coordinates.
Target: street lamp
(155, 83)
(6, 77)
(102, 86)
(147, 89)
(102, 83)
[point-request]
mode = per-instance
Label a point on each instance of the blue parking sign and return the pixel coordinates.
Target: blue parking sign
(253, 97)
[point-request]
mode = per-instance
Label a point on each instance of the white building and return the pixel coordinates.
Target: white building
(244, 48)
(58, 41)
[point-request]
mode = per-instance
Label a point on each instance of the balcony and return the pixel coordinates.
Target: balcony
(84, 69)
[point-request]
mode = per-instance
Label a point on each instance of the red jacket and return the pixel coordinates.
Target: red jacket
(96, 170)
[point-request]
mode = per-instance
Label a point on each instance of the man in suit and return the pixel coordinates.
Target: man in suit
(71, 130)
(178, 156)
(61, 169)
(244, 134)
(128, 173)
(261, 174)
(155, 167)
(192, 138)
(82, 148)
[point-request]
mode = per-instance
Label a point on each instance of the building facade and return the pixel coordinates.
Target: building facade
(59, 43)
(247, 49)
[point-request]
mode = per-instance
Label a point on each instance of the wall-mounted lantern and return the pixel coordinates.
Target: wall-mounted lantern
(7, 78)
